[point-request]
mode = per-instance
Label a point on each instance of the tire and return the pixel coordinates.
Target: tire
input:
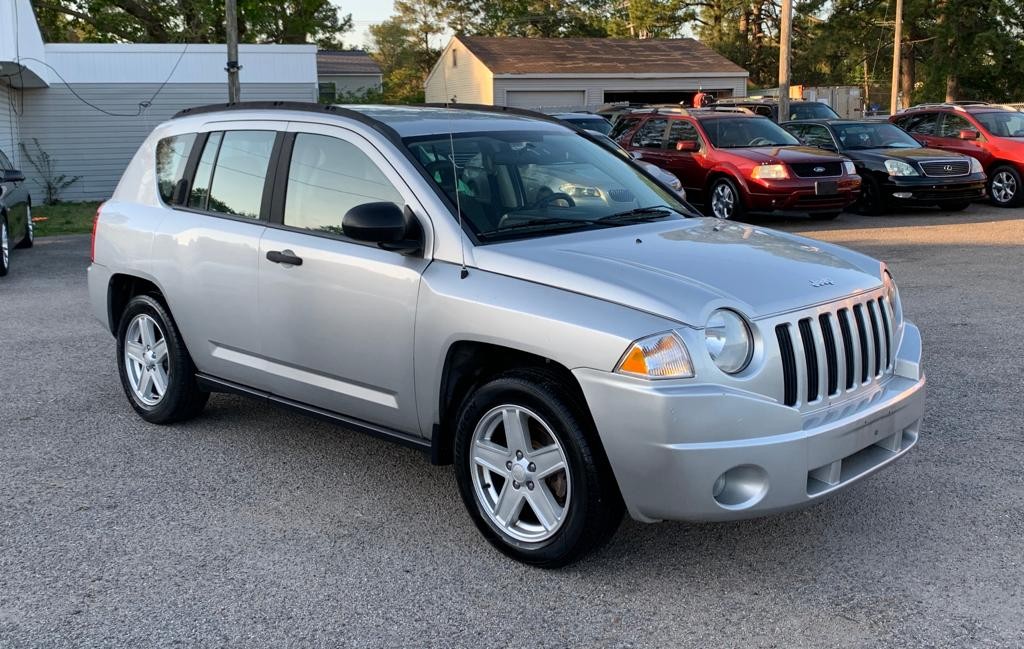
(145, 324)
(30, 230)
(871, 201)
(1004, 187)
(580, 502)
(825, 216)
(5, 246)
(954, 206)
(724, 200)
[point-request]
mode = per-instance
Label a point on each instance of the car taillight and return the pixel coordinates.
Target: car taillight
(92, 243)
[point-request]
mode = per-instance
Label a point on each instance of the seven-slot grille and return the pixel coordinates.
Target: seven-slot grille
(836, 351)
(939, 168)
(810, 169)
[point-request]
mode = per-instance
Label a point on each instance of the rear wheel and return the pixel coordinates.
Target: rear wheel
(5, 247)
(724, 200)
(954, 206)
(529, 473)
(30, 231)
(1004, 187)
(156, 370)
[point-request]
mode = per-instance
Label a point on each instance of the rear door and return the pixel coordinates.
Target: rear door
(923, 127)
(13, 197)
(337, 330)
(649, 141)
(206, 249)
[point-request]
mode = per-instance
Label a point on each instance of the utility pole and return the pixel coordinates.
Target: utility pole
(785, 57)
(897, 50)
(231, 16)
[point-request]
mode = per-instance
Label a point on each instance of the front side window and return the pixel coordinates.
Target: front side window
(652, 134)
(681, 131)
(519, 184)
(326, 178)
(171, 160)
(240, 172)
(816, 135)
(953, 124)
(811, 110)
(745, 132)
(874, 135)
(1003, 123)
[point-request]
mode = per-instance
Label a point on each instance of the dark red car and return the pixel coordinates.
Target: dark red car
(993, 134)
(735, 163)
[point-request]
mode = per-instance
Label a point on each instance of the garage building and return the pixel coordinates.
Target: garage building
(579, 73)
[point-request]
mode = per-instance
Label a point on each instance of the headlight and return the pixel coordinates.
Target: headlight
(900, 168)
(580, 191)
(892, 296)
(976, 166)
(849, 167)
(728, 341)
(770, 172)
(662, 356)
(675, 184)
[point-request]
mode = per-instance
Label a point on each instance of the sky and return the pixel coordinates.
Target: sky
(364, 13)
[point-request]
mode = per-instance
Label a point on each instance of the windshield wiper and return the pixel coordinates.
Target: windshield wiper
(639, 214)
(560, 224)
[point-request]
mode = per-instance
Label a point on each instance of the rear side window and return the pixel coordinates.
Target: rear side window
(171, 161)
(5, 164)
(652, 134)
(921, 124)
(326, 178)
(204, 172)
(240, 172)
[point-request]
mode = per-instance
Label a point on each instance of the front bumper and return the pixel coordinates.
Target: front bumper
(928, 191)
(799, 196)
(701, 452)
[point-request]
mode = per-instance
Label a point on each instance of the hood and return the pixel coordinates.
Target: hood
(915, 154)
(788, 154)
(685, 269)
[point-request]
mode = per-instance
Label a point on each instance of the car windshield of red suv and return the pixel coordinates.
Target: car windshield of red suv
(1002, 124)
(744, 132)
(874, 136)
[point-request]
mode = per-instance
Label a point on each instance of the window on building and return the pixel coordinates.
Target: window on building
(328, 91)
(171, 159)
(455, 58)
(326, 178)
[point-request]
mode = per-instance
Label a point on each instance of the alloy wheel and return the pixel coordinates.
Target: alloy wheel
(30, 227)
(520, 474)
(722, 201)
(1004, 187)
(5, 246)
(145, 359)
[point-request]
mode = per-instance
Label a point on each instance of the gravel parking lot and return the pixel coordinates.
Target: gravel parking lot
(253, 526)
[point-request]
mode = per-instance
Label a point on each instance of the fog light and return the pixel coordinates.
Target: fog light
(902, 194)
(740, 487)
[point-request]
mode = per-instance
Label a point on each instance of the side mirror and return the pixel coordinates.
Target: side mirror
(12, 176)
(636, 155)
(967, 134)
(687, 146)
(384, 224)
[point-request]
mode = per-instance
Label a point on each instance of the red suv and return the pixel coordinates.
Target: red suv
(736, 163)
(993, 134)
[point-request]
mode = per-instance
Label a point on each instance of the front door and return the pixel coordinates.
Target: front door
(337, 329)
(14, 199)
(686, 165)
(948, 138)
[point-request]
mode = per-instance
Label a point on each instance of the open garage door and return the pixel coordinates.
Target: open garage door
(546, 99)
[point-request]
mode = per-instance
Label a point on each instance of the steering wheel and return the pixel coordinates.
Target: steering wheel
(544, 198)
(760, 141)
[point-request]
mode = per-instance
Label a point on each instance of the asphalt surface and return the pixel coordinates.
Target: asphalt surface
(252, 526)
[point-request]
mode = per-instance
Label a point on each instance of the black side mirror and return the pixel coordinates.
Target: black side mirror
(12, 176)
(384, 224)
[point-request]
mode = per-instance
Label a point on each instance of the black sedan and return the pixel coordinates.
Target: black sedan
(896, 170)
(15, 213)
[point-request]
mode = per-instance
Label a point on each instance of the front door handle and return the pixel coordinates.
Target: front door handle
(284, 257)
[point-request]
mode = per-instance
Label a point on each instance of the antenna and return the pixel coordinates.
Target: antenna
(464, 272)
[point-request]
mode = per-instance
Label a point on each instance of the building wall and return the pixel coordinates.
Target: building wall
(469, 81)
(97, 147)
(595, 87)
(351, 83)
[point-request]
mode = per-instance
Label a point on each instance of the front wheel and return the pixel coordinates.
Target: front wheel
(871, 201)
(725, 201)
(530, 472)
(1004, 187)
(156, 370)
(5, 247)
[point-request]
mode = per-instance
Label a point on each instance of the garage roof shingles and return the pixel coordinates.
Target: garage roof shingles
(597, 56)
(340, 62)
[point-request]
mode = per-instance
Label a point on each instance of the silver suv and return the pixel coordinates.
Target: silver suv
(504, 293)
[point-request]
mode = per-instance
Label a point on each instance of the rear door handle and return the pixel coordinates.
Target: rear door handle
(284, 257)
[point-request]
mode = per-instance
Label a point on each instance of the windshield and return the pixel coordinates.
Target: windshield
(518, 184)
(874, 136)
(743, 132)
(811, 110)
(1002, 124)
(596, 124)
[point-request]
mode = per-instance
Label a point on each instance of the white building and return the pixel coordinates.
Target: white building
(579, 73)
(346, 73)
(89, 106)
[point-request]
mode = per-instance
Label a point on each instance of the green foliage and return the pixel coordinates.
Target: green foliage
(44, 164)
(64, 218)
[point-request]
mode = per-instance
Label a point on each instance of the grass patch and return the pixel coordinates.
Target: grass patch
(64, 218)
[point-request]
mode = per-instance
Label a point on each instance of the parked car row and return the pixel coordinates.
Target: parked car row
(16, 229)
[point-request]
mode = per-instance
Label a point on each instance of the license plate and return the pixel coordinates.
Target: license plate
(826, 187)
